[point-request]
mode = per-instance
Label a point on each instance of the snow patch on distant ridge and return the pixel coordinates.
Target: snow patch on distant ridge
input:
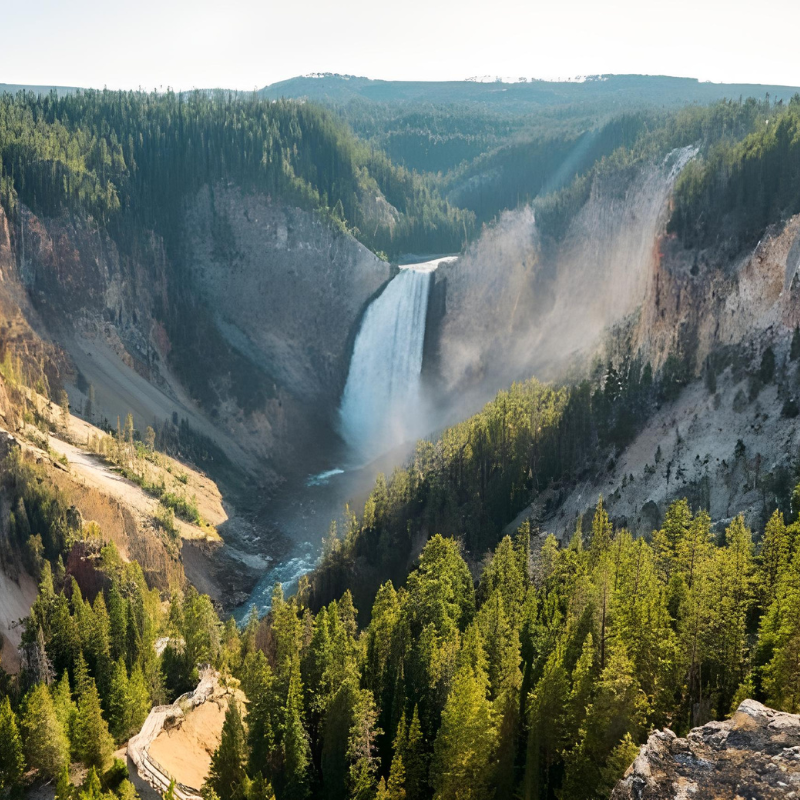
(572, 79)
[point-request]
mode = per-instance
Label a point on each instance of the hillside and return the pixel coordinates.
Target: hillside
(117, 249)
(97, 487)
(619, 91)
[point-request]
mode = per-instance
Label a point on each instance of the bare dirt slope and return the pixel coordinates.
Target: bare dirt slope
(690, 448)
(17, 595)
(124, 513)
(91, 469)
(119, 390)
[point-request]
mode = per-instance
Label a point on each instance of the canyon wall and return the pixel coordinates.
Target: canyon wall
(274, 296)
(519, 303)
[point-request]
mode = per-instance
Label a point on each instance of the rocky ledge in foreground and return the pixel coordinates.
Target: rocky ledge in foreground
(755, 754)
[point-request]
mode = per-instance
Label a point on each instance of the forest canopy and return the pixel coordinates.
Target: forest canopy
(133, 158)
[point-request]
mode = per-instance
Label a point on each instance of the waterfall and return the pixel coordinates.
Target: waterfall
(381, 403)
(381, 407)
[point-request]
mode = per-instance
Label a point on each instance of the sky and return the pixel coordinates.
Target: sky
(247, 44)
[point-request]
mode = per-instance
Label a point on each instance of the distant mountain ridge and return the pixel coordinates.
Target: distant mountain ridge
(522, 95)
(13, 88)
(511, 94)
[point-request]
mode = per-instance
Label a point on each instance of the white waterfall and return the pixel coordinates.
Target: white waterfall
(381, 404)
(381, 407)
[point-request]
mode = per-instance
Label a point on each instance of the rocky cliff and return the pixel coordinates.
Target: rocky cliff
(755, 754)
(287, 293)
(617, 286)
(242, 330)
(728, 438)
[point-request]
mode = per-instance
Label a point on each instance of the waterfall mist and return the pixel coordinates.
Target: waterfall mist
(519, 306)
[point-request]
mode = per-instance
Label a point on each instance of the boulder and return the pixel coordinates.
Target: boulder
(755, 754)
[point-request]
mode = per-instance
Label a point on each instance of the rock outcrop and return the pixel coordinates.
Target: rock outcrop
(755, 754)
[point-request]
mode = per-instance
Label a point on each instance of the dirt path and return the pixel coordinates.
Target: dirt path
(93, 471)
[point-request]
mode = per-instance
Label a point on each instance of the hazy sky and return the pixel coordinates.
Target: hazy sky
(249, 43)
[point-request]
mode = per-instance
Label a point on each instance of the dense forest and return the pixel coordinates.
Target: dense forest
(427, 137)
(474, 479)
(133, 159)
(130, 158)
(729, 198)
(721, 127)
(487, 160)
(539, 680)
(526, 167)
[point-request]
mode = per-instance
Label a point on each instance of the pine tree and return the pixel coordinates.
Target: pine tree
(502, 646)
(583, 684)
(117, 623)
(415, 759)
(394, 788)
(773, 558)
(602, 532)
(263, 720)
(139, 697)
(91, 789)
(93, 742)
(64, 645)
(338, 720)
(65, 707)
(361, 747)
(227, 774)
(729, 597)
(668, 541)
(97, 648)
(42, 610)
(126, 791)
(296, 749)
(12, 761)
(780, 634)
(260, 789)
(82, 677)
(547, 729)
(619, 707)
(37, 661)
(118, 702)
(45, 741)
(621, 758)
(465, 746)
(64, 787)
